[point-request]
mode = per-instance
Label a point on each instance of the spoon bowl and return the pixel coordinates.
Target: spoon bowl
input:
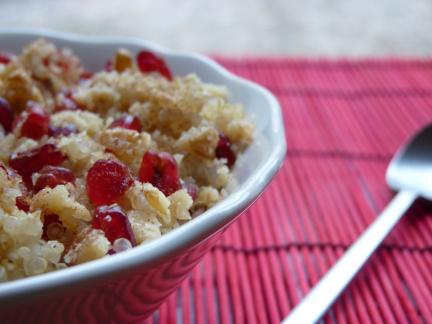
(409, 173)
(411, 167)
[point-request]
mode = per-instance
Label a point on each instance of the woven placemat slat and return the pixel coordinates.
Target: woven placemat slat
(344, 120)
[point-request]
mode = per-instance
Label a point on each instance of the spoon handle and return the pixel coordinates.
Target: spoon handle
(322, 296)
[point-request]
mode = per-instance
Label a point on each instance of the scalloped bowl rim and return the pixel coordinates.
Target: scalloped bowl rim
(192, 232)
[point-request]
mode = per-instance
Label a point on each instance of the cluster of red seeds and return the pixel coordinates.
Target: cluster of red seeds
(45, 159)
(51, 176)
(28, 162)
(107, 180)
(34, 122)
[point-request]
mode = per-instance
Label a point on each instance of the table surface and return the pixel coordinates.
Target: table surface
(311, 27)
(344, 120)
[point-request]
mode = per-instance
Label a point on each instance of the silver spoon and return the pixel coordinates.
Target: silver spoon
(410, 173)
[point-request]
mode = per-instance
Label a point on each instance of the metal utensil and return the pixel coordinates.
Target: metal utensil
(410, 173)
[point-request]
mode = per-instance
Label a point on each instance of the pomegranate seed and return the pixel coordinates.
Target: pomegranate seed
(51, 176)
(107, 180)
(160, 169)
(86, 75)
(128, 122)
(6, 115)
(109, 66)
(191, 188)
(28, 162)
(53, 228)
(114, 223)
(149, 62)
(224, 151)
(5, 58)
(22, 203)
(66, 130)
(36, 123)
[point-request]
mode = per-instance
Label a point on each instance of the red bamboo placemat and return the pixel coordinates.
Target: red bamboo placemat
(344, 120)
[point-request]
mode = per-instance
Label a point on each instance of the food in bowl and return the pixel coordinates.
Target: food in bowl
(93, 164)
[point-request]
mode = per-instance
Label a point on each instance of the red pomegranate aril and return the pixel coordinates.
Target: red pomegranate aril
(36, 123)
(149, 62)
(22, 203)
(28, 162)
(65, 130)
(51, 176)
(86, 75)
(114, 223)
(6, 115)
(224, 150)
(5, 58)
(160, 169)
(128, 122)
(53, 228)
(46, 61)
(107, 180)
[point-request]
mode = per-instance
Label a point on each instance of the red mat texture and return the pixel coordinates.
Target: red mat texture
(344, 120)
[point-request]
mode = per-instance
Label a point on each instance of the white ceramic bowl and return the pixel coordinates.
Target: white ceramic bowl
(129, 286)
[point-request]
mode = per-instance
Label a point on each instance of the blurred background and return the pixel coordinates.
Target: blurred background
(309, 27)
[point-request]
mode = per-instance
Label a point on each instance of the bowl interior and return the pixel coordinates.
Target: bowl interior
(253, 170)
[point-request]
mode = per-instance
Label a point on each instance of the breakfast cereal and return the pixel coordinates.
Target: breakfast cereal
(92, 164)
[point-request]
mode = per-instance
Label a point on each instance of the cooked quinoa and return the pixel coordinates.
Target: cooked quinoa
(95, 163)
